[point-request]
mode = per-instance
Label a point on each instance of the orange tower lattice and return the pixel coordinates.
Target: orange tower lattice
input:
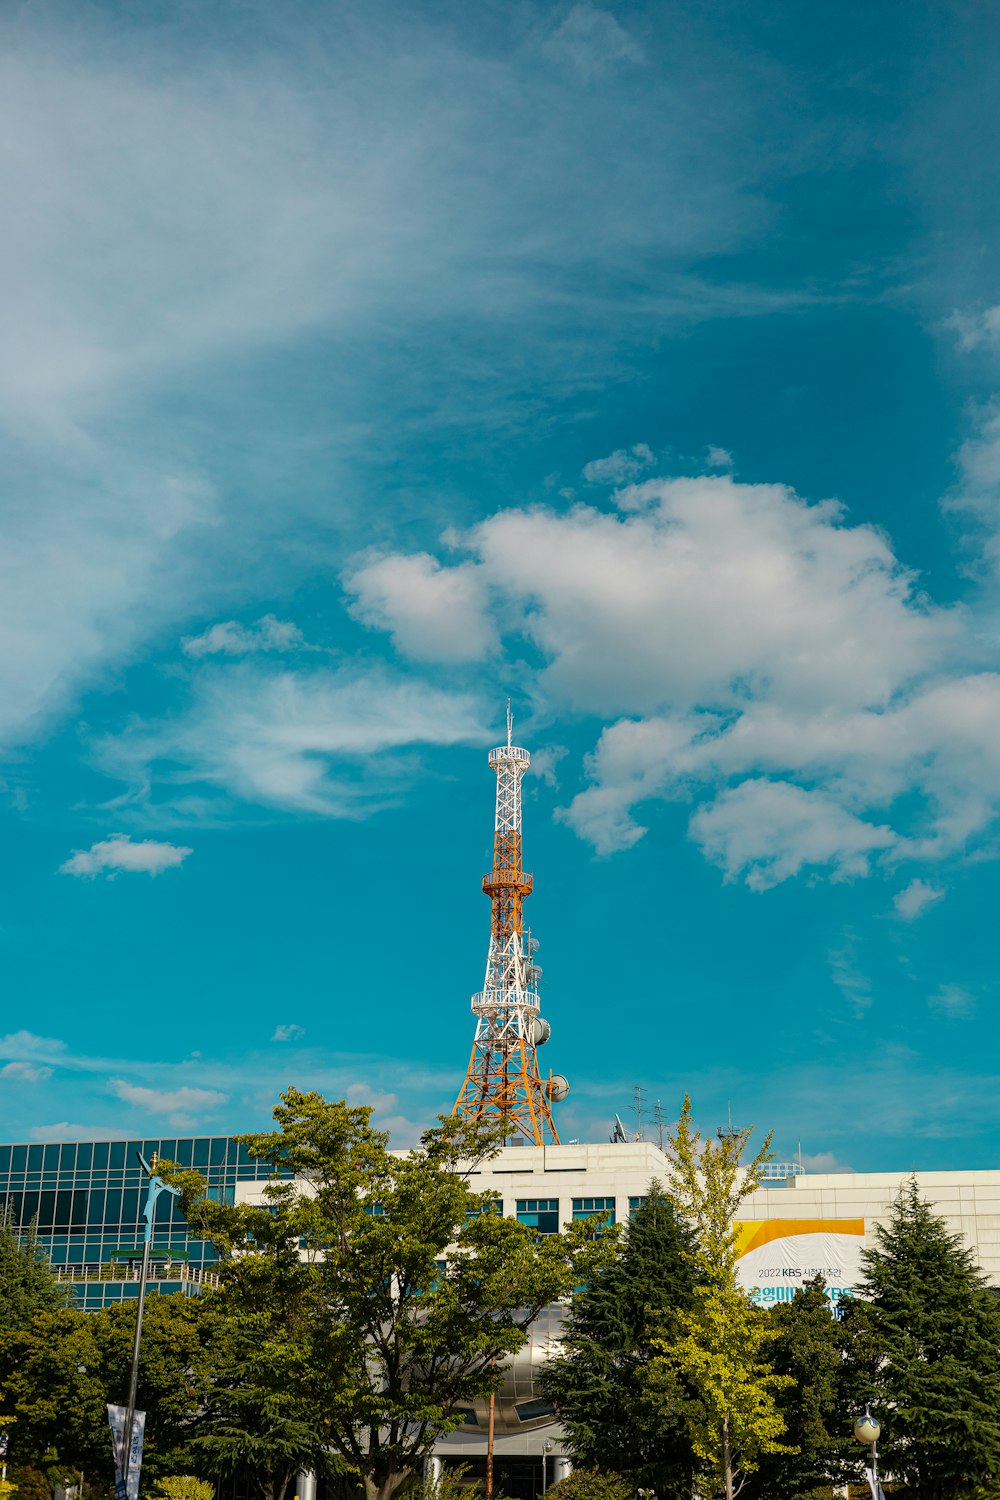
(503, 1081)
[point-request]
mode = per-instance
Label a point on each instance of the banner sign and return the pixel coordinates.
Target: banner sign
(116, 1421)
(778, 1255)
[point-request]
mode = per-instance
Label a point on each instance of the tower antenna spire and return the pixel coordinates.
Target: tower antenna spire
(502, 1082)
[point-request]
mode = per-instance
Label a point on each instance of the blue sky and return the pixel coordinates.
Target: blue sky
(366, 363)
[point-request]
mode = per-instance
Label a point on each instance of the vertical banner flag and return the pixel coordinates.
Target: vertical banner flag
(116, 1421)
(775, 1256)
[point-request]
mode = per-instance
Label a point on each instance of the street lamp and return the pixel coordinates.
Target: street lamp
(867, 1430)
(545, 1465)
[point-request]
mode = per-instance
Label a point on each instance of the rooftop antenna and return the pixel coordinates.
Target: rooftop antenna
(658, 1122)
(637, 1093)
(510, 725)
(618, 1136)
(728, 1132)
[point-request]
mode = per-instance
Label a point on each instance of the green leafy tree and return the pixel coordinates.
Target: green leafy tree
(28, 1283)
(922, 1344)
(365, 1300)
(49, 1385)
(593, 1484)
(183, 1487)
(718, 1351)
(598, 1383)
(806, 1351)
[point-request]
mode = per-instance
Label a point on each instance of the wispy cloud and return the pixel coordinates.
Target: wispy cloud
(289, 1032)
(953, 1000)
(620, 467)
(184, 1106)
(229, 638)
(120, 853)
(915, 898)
(327, 741)
(25, 1072)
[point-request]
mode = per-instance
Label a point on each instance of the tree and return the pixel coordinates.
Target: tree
(369, 1296)
(922, 1341)
(183, 1487)
(592, 1484)
(718, 1350)
(806, 1351)
(49, 1385)
(598, 1383)
(28, 1283)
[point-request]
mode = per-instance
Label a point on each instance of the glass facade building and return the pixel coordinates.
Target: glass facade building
(86, 1200)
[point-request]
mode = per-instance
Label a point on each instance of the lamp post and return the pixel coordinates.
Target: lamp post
(545, 1465)
(867, 1430)
(156, 1187)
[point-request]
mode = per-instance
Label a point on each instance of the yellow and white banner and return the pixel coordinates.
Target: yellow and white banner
(778, 1255)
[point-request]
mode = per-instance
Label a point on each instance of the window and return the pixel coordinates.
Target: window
(585, 1208)
(542, 1214)
(375, 1210)
(635, 1202)
(527, 1411)
(64, 1211)
(468, 1415)
(493, 1207)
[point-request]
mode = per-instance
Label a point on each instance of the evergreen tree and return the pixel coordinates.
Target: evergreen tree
(806, 1351)
(923, 1347)
(27, 1282)
(718, 1352)
(598, 1385)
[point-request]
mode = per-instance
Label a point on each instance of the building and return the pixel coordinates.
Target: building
(86, 1200)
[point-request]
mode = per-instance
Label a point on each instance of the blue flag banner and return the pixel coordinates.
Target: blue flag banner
(116, 1421)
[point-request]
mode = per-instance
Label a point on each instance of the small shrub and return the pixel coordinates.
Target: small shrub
(591, 1484)
(183, 1487)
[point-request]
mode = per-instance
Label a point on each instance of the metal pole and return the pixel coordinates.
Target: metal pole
(489, 1438)
(134, 1382)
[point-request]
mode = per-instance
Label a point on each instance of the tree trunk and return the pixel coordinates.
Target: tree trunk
(385, 1488)
(727, 1458)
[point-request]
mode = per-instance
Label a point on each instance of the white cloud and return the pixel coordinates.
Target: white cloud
(915, 898)
(593, 42)
(119, 852)
(953, 1000)
(29, 1047)
(67, 1130)
(25, 1072)
(433, 613)
(229, 638)
(825, 1162)
(768, 831)
(763, 652)
(620, 467)
(288, 1033)
(974, 329)
(328, 741)
(718, 458)
(178, 1104)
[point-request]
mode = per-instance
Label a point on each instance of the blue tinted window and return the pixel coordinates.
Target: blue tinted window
(219, 1149)
(116, 1155)
(541, 1214)
(35, 1155)
(101, 1150)
(5, 1160)
(19, 1158)
(84, 1157)
(183, 1155)
(201, 1153)
(635, 1201)
(583, 1208)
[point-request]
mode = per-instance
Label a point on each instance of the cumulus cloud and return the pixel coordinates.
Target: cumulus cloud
(824, 1162)
(229, 638)
(718, 458)
(329, 741)
(288, 1033)
(120, 853)
(768, 831)
(915, 898)
(433, 613)
(25, 1072)
(619, 467)
(756, 650)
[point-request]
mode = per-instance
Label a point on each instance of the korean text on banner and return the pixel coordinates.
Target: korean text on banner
(778, 1255)
(116, 1421)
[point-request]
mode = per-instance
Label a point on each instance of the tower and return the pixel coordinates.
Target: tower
(503, 1081)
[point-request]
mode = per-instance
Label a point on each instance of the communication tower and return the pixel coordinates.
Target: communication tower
(503, 1081)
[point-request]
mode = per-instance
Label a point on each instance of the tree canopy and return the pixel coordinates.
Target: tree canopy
(598, 1384)
(922, 1345)
(366, 1299)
